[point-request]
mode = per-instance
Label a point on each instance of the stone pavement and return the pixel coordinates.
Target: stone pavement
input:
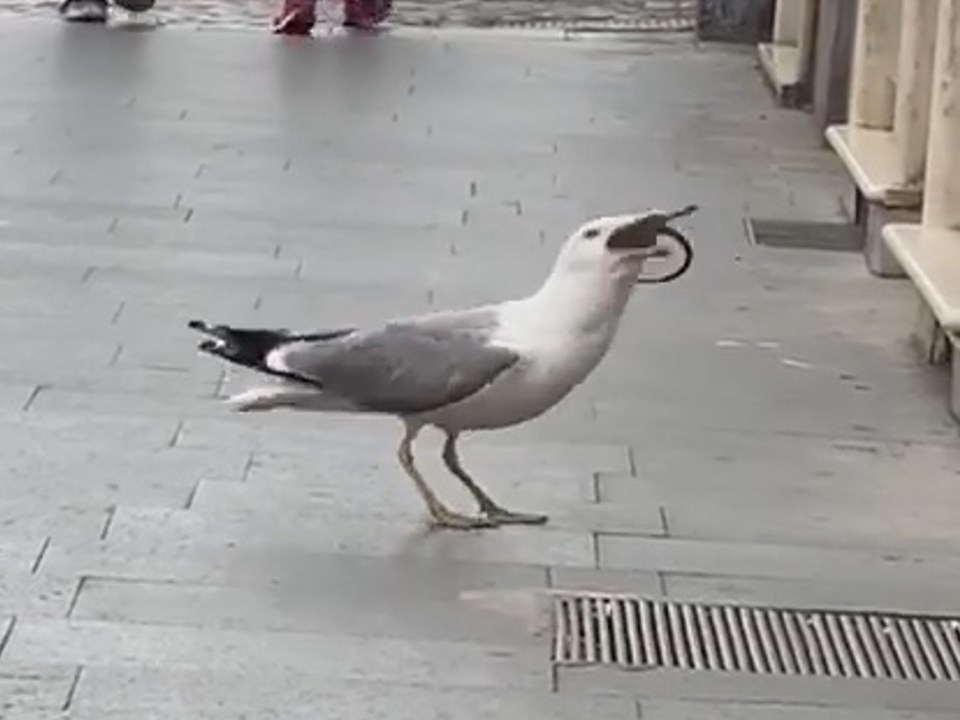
(760, 432)
(647, 14)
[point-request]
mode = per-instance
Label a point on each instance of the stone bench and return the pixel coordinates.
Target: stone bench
(930, 257)
(871, 157)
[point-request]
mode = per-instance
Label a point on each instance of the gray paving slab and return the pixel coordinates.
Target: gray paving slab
(376, 494)
(423, 662)
(209, 694)
(34, 691)
(394, 598)
(896, 593)
(782, 561)
(648, 584)
(658, 710)
(848, 492)
(713, 689)
(328, 528)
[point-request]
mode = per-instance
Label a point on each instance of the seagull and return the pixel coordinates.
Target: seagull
(481, 368)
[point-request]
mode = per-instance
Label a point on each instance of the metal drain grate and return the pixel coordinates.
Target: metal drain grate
(802, 235)
(638, 632)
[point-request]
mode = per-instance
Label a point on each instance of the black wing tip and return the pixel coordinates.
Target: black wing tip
(198, 325)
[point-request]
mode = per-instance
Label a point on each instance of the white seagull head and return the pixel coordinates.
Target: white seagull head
(615, 247)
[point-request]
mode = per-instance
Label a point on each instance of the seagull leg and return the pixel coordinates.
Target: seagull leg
(488, 507)
(440, 514)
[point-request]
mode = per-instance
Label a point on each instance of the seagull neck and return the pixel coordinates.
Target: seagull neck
(581, 301)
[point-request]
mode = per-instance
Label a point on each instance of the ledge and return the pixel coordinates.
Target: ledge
(871, 159)
(782, 66)
(931, 258)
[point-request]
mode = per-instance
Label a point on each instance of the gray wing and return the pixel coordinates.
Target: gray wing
(406, 367)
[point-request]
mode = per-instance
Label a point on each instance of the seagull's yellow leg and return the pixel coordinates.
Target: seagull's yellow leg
(440, 514)
(487, 506)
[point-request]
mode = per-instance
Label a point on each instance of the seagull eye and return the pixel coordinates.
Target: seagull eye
(591, 233)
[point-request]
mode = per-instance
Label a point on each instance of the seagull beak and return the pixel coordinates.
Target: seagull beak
(640, 234)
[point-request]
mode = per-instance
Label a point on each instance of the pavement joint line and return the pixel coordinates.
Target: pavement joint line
(87, 274)
(258, 302)
(116, 355)
(248, 466)
(111, 228)
(187, 215)
(595, 546)
(662, 582)
(38, 560)
(72, 690)
(176, 435)
(5, 639)
(188, 504)
(118, 312)
(221, 380)
(548, 577)
(595, 487)
(33, 396)
(75, 598)
(638, 709)
(111, 512)
(664, 521)
(631, 461)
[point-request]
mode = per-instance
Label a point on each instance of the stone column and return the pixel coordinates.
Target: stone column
(941, 207)
(788, 21)
(911, 119)
(876, 45)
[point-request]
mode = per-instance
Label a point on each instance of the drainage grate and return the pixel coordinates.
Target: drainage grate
(802, 235)
(636, 632)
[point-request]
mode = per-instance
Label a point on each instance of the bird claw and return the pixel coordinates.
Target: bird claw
(455, 521)
(505, 517)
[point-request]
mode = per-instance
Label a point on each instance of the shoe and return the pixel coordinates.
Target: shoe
(85, 11)
(297, 17)
(365, 14)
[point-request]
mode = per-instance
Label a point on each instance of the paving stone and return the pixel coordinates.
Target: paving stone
(657, 710)
(13, 396)
(896, 593)
(334, 529)
(117, 645)
(648, 584)
(34, 691)
(24, 593)
(719, 689)
(798, 490)
(397, 597)
(209, 694)
(774, 561)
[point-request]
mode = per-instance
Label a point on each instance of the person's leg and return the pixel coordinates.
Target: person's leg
(86, 11)
(296, 17)
(365, 14)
